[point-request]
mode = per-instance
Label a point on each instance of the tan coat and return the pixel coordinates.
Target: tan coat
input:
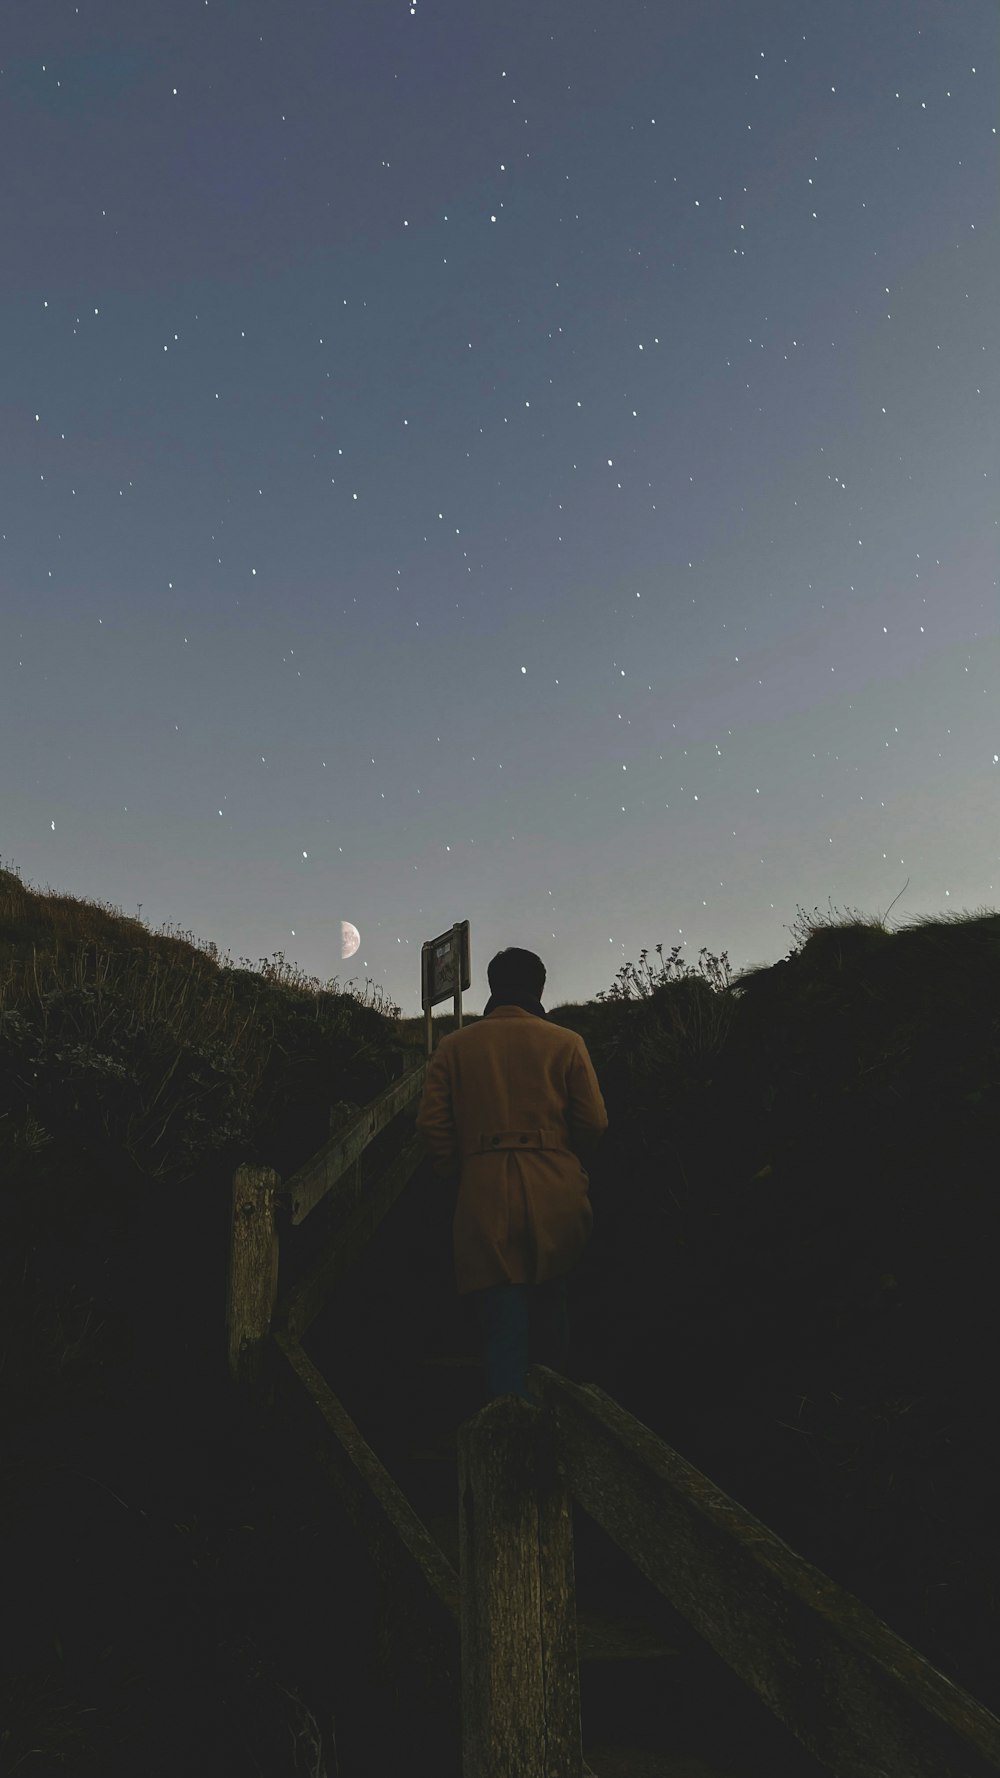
(506, 1101)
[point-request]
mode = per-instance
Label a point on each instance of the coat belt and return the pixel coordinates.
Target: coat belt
(490, 1140)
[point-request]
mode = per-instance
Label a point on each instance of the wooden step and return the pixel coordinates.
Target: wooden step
(602, 1636)
(624, 1761)
(452, 1361)
(442, 1448)
(428, 1394)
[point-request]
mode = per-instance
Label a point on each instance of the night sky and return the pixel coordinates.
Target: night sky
(534, 464)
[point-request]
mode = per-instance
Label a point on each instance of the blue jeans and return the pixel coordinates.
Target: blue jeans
(523, 1324)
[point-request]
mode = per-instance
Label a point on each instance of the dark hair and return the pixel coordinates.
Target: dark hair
(516, 972)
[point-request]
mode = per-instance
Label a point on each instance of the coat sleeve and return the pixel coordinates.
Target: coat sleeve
(586, 1114)
(436, 1117)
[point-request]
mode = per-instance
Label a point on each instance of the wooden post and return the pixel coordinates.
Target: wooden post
(456, 963)
(857, 1697)
(520, 1673)
(352, 1178)
(253, 1272)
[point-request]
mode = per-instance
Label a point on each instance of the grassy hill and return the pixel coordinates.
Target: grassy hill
(792, 1279)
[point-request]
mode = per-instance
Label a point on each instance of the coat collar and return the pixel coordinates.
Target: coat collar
(519, 1007)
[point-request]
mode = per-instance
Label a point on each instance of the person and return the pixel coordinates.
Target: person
(510, 1105)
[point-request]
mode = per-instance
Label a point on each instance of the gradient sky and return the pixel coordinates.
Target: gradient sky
(534, 464)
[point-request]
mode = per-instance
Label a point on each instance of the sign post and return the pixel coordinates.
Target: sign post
(445, 972)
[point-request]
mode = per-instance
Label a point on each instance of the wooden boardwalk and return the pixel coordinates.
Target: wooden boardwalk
(580, 1601)
(656, 1701)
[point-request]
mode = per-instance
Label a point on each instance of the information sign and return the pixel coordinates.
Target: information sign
(445, 971)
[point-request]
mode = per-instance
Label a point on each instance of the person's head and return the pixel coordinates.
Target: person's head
(516, 972)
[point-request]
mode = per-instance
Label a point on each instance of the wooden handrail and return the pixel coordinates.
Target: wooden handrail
(857, 1696)
(252, 1281)
(419, 1576)
(367, 1208)
(309, 1186)
(370, 1494)
(851, 1690)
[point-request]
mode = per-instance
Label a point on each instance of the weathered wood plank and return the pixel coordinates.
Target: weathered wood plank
(252, 1283)
(520, 1678)
(603, 1637)
(307, 1188)
(853, 1692)
(419, 1578)
(303, 1303)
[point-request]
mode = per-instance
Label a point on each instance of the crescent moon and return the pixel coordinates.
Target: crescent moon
(350, 938)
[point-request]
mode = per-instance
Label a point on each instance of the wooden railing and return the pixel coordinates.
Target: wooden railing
(261, 1201)
(864, 1702)
(497, 1641)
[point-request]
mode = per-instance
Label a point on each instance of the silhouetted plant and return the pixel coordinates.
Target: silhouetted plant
(43, 1728)
(157, 1049)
